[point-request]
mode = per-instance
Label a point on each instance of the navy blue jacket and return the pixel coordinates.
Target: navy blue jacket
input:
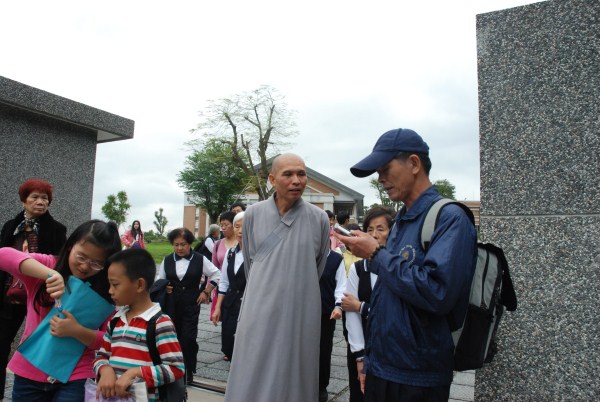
(409, 340)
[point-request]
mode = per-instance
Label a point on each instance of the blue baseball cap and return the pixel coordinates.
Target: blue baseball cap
(387, 147)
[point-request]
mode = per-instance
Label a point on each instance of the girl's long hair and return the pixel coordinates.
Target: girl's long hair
(99, 233)
(135, 232)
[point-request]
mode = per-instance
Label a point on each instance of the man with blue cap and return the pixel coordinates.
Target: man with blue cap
(419, 294)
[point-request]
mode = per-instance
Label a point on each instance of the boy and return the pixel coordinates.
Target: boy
(124, 351)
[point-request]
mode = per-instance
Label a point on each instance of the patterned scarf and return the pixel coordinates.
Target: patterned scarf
(32, 223)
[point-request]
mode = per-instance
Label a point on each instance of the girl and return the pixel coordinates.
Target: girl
(134, 237)
(44, 277)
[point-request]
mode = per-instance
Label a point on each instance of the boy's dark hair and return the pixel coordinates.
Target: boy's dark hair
(329, 214)
(138, 264)
(181, 232)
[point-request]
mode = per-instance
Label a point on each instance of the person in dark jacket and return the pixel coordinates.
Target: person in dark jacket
(409, 348)
(183, 269)
(33, 230)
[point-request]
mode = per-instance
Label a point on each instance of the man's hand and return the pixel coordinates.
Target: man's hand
(361, 244)
(336, 314)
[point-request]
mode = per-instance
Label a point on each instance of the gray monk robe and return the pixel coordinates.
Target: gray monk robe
(276, 352)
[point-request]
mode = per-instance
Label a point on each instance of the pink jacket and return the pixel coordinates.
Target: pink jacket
(128, 239)
(10, 261)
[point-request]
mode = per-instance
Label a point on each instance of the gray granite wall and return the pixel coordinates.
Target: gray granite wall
(52, 150)
(52, 138)
(539, 106)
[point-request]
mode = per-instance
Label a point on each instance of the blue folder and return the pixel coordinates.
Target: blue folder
(58, 356)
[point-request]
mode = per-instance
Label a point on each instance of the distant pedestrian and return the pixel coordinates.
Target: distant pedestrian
(231, 291)
(237, 207)
(332, 285)
(357, 298)
(134, 237)
(184, 269)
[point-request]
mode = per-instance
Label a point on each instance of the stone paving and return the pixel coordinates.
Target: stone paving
(212, 370)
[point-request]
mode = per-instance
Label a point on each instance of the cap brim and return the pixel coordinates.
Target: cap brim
(371, 163)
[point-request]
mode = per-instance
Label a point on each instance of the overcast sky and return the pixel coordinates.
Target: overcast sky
(352, 70)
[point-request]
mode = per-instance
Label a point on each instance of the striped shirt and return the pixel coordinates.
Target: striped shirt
(127, 348)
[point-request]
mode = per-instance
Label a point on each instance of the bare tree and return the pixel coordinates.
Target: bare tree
(256, 125)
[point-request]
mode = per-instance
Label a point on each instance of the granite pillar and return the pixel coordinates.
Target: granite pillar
(539, 115)
(52, 138)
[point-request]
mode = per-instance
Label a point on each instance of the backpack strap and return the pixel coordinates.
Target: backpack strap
(431, 219)
(112, 324)
(151, 339)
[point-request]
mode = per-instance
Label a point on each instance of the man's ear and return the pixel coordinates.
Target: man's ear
(415, 163)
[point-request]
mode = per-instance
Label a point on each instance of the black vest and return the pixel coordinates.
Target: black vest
(364, 288)
(191, 280)
(237, 281)
(327, 282)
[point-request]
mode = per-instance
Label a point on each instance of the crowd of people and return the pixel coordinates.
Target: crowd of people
(263, 271)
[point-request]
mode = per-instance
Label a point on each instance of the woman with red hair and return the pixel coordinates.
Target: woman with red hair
(33, 230)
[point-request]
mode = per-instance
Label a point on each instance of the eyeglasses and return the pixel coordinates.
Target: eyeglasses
(95, 265)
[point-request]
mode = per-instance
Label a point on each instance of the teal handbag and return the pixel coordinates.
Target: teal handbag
(58, 356)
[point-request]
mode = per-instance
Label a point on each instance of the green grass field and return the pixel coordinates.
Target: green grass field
(160, 249)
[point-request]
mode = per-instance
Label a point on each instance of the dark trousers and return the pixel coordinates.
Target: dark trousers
(230, 314)
(326, 347)
(8, 330)
(356, 394)
(380, 390)
(185, 318)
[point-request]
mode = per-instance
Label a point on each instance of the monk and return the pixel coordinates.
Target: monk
(286, 241)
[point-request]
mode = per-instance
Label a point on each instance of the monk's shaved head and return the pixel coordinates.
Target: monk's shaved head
(284, 159)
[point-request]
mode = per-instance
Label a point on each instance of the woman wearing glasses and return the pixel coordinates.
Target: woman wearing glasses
(33, 230)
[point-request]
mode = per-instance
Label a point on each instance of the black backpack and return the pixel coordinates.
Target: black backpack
(202, 249)
(491, 292)
(172, 392)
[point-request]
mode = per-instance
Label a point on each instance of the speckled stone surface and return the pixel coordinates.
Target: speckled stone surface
(539, 104)
(25, 97)
(539, 91)
(54, 139)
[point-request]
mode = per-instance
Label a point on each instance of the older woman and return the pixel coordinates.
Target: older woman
(222, 247)
(231, 291)
(183, 269)
(32, 230)
(359, 286)
(207, 246)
